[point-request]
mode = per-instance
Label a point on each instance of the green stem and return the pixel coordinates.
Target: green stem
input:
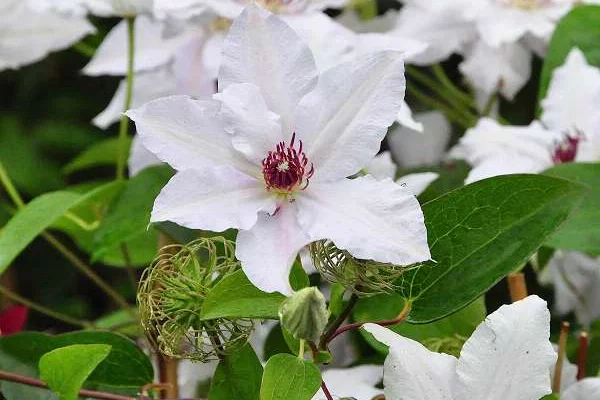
(10, 188)
(87, 271)
(465, 121)
(338, 322)
(84, 49)
(439, 73)
(44, 310)
(489, 104)
(124, 124)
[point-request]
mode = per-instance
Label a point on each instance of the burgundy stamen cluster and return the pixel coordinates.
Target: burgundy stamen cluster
(285, 169)
(566, 151)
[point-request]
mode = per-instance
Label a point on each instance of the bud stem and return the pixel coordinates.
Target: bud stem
(338, 322)
(562, 349)
(301, 349)
(124, 124)
(584, 342)
(517, 286)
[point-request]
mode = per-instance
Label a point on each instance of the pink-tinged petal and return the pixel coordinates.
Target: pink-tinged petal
(413, 372)
(213, 199)
(147, 86)
(509, 354)
(13, 320)
(573, 96)
(262, 50)
(586, 389)
(375, 220)
(187, 134)
(29, 36)
(268, 250)
(255, 130)
(152, 48)
(343, 121)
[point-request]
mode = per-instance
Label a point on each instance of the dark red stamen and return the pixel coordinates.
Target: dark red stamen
(566, 151)
(285, 169)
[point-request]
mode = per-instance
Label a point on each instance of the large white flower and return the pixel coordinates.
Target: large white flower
(270, 154)
(102, 8)
(28, 35)
(357, 382)
(585, 389)
(576, 278)
(382, 167)
(509, 356)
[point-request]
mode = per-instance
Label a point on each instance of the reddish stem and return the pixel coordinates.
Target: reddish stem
(326, 391)
(584, 342)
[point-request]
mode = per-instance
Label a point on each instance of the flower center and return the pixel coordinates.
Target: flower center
(525, 4)
(281, 6)
(566, 151)
(286, 168)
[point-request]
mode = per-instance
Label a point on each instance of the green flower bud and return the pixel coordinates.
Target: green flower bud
(171, 296)
(305, 314)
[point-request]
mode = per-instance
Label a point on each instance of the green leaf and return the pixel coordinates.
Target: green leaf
(129, 217)
(120, 321)
(66, 369)
(383, 307)
(30, 221)
(481, 233)
(582, 231)
(452, 176)
(238, 376)
(236, 297)
(580, 28)
(287, 377)
(100, 154)
(298, 277)
(125, 370)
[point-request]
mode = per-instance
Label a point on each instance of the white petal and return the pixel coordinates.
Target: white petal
(190, 374)
(413, 148)
(442, 28)
(411, 371)
(573, 96)
(418, 182)
(187, 134)
(269, 249)
(376, 220)
(356, 382)
(405, 118)
(29, 36)
(151, 48)
(509, 354)
(180, 9)
(230, 9)
(343, 121)
(195, 76)
(254, 128)
(585, 389)
(382, 166)
(261, 49)
(504, 163)
(505, 69)
(213, 199)
(140, 157)
(147, 86)
(576, 277)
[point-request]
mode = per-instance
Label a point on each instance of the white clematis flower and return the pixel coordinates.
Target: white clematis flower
(102, 8)
(509, 356)
(585, 389)
(270, 154)
(28, 34)
(356, 382)
(575, 277)
(382, 167)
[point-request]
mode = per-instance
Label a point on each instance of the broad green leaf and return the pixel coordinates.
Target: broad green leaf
(480, 233)
(552, 396)
(298, 277)
(30, 221)
(580, 28)
(582, 231)
(129, 217)
(453, 329)
(236, 297)
(100, 154)
(287, 377)
(125, 370)
(276, 343)
(66, 369)
(237, 376)
(452, 176)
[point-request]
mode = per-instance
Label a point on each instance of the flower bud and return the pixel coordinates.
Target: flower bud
(305, 314)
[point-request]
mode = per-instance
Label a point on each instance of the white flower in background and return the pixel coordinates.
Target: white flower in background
(356, 382)
(422, 145)
(569, 130)
(509, 356)
(190, 374)
(382, 167)
(101, 8)
(576, 278)
(29, 35)
(270, 154)
(585, 389)
(507, 21)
